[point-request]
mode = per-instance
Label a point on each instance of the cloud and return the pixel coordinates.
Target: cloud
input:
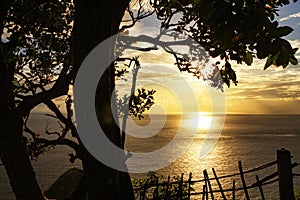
(259, 91)
(296, 15)
(295, 43)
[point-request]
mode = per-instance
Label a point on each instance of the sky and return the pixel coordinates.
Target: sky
(273, 91)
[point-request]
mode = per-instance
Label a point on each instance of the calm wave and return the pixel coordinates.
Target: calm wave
(253, 139)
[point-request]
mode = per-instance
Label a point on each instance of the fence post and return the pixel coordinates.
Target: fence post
(155, 194)
(167, 187)
(143, 193)
(209, 185)
(219, 184)
(243, 181)
(286, 188)
(205, 195)
(260, 188)
(189, 184)
(233, 190)
(180, 194)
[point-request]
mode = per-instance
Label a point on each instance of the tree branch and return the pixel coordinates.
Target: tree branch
(66, 120)
(61, 141)
(60, 88)
(136, 18)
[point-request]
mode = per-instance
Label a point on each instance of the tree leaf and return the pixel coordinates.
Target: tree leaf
(275, 57)
(295, 50)
(282, 31)
(248, 58)
(232, 75)
(293, 60)
(283, 58)
(268, 63)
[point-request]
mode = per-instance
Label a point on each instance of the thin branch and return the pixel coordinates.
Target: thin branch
(135, 70)
(20, 96)
(155, 41)
(60, 88)
(51, 133)
(31, 132)
(136, 18)
(46, 142)
(50, 115)
(67, 121)
(61, 141)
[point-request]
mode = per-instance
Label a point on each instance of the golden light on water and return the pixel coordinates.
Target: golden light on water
(200, 121)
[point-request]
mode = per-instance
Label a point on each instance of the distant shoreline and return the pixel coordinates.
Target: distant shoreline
(195, 113)
(230, 114)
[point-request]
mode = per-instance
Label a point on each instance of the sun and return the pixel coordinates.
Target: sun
(204, 122)
(200, 121)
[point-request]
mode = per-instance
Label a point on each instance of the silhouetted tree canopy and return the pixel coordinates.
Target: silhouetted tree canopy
(44, 42)
(236, 30)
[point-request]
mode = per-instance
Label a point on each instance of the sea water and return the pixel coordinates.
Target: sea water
(252, 139)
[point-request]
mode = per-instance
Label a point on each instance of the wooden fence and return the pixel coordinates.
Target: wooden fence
(211, 187)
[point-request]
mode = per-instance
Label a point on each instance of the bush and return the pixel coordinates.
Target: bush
(154, 186)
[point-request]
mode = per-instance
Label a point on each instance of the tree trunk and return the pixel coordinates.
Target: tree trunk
(95, 21)
(13, 152)
(14, 156)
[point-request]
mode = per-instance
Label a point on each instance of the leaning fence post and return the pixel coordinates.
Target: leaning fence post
(209, 185)
(286, 188)
(243, 181)
(260, 188)
(204, 192)
(219, 184)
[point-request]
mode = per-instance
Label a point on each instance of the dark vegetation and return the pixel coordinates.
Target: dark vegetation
(45, 41)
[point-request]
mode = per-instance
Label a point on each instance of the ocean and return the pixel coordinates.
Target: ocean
(251, 139)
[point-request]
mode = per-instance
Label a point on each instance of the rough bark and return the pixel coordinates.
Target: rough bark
(95, 21)
(15, 159)
(12, 150)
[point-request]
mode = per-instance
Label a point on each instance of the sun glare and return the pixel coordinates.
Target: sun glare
(200, 121)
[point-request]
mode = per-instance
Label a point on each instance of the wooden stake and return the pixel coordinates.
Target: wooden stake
(243, 181)
(219, 184)
(286, 188)
(260, 188)
(209, 185)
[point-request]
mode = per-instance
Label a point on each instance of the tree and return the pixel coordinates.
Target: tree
(39, 62)
(37, 69)
(34, 49)
(235, 30)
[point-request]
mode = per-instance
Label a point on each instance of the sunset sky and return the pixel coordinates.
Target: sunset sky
(273, 91)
